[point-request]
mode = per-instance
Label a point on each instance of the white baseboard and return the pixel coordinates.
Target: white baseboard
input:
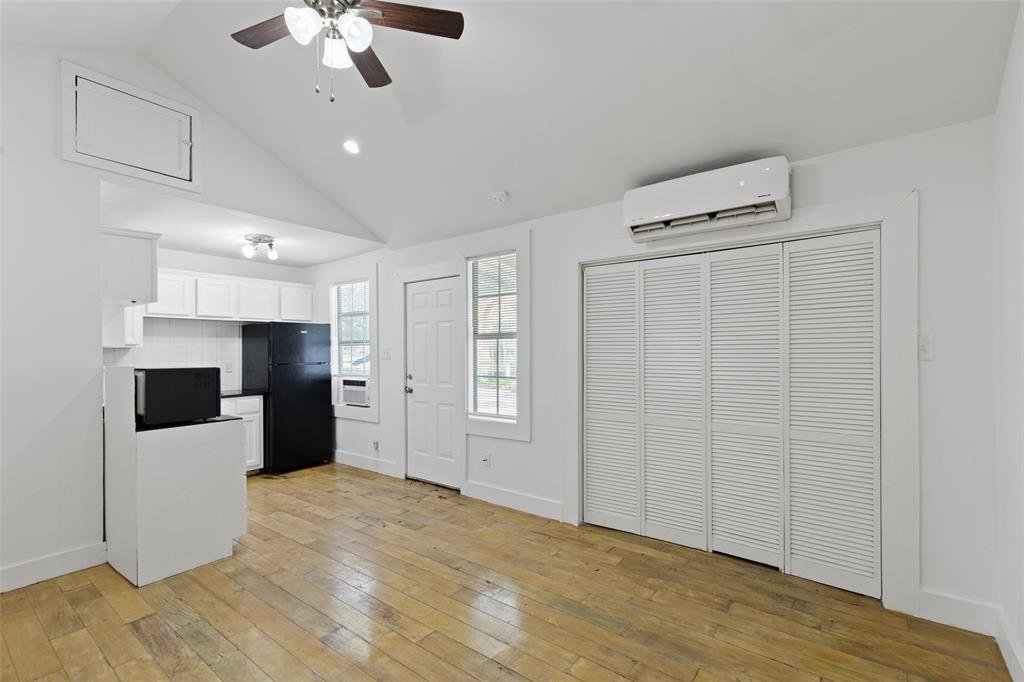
(35, 570)
(531, 504)
(381, 466)
(948, 609)
(1012, 649)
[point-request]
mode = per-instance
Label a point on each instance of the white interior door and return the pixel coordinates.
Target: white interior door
(832, 287)
(746, 402)
(435, 347)
(673, 421)
(611, 397)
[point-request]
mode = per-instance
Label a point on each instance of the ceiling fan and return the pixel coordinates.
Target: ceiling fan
(349, 31)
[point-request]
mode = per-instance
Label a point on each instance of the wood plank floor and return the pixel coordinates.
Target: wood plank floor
(348, 575)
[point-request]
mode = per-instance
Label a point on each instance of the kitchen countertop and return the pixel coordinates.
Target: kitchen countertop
(199, 422)
(241, 393)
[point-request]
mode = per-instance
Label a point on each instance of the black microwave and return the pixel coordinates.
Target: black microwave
(176, 395)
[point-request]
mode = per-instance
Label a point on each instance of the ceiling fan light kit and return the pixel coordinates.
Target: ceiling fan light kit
(349, 31)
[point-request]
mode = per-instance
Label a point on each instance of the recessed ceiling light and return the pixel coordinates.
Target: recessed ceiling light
(351, 146)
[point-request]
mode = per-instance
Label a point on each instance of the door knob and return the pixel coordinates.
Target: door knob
(408, 389)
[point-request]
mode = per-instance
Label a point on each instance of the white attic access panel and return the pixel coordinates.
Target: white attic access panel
(118, 127)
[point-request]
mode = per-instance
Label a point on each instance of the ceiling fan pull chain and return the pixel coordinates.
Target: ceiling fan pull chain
(316, 66)
(332, 85)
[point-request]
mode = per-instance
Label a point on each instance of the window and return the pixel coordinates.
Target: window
(352, 323)
(494, 387)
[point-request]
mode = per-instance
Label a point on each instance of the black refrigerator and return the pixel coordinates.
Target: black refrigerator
(290, 362)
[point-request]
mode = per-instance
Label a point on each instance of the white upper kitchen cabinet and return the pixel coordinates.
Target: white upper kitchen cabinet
(258, 300)
(176, 296)
(129, 266)
(122, 326)
(118, 127)
(216, 297)
(296, 303)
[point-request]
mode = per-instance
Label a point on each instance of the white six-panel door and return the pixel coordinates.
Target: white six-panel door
(435, 348)
(731, 403)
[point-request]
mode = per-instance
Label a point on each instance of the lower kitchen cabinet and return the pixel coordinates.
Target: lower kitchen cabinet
(250, 409)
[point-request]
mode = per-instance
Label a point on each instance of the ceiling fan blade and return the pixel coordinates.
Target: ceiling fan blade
(263, 33)
(435, 22)
(370, 68)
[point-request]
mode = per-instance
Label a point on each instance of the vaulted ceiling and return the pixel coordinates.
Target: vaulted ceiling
(567, 104)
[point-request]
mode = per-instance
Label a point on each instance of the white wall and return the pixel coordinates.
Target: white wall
(1008, 146)
(51, 444)
(952, 169)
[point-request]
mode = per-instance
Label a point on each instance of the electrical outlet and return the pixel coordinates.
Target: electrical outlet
(486, 461)
(229, 367)
(925, 347)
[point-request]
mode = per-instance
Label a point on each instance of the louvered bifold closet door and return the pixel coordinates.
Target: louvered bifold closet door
(611, 398)
(673, 401)
(833, 438)
(745, 387)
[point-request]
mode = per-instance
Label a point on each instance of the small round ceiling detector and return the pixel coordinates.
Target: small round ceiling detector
(499, 196)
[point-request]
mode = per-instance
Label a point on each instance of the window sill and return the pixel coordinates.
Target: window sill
(496, 427)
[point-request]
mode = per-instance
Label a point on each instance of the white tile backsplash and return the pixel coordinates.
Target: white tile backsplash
(167, 342)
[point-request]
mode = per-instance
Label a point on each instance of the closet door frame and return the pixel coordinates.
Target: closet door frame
(896, 215)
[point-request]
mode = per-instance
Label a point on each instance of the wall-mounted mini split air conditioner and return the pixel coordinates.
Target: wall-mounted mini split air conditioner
(745, 194)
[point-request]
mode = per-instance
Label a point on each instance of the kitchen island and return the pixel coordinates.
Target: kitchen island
(175, 495)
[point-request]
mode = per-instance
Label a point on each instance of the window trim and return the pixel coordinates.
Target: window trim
(341, 410)
(491, 244)
(472, 376)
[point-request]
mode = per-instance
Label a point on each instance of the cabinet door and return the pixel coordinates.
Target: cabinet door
(133, 325)
(176, 296)
(129, 267)
(216, 297)
(253, 424)
(258, 300)
(297, 303)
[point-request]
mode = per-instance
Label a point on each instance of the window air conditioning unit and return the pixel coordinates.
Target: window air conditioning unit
(355, 392)
(746, 194)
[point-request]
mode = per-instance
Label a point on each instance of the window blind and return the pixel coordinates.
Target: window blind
(352, 320)
(494, 327)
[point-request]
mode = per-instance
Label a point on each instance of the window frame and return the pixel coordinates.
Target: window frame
(499, 336)
(341, 410)
(490, 244)
(337, 346)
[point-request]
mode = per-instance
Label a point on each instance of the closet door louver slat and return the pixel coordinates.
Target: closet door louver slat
(673, 405)
(833, 520)
(611, 359)
(746, 423)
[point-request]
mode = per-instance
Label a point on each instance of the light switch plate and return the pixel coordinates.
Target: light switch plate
(925, 347)
(385, 354)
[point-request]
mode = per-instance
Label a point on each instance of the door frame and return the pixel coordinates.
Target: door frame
(425, 273)
(896, 217)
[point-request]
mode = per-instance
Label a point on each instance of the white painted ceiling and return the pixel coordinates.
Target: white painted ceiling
(567, 104)
(203, 228)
